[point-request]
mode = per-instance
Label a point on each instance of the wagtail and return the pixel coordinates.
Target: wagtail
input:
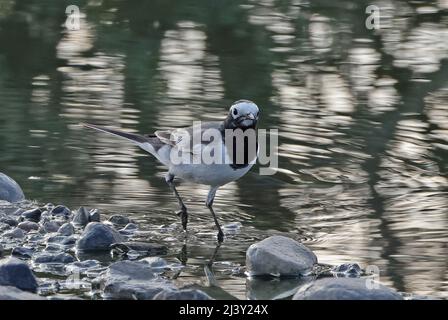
(183, 152)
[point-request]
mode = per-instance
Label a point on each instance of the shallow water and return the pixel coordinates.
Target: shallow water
(362, 118)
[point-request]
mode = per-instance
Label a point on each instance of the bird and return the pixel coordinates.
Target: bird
(184, 143)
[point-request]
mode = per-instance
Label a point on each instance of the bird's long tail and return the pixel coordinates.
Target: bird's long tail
(136, 138)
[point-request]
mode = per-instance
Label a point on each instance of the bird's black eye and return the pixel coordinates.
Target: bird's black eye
(235, 111)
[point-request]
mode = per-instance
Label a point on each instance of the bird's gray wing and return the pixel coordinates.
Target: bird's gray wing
(188, 139)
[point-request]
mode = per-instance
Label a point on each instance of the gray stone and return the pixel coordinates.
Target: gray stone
(23, 252)
(155, 262)
(347, 270)
(32, 215)
(59, 210)
(67, 229)
(27, 226)
(98, 237)
(145, 248)
(50, 258)
(15, 233)
(9, 221)
(81, 217)
(94, 215)
(12, 293)
(132, 280)
(186, 294)
(119, 220)
(279, 256)
(9, 189)
(14, 272)
(345, 289)
(51, 226)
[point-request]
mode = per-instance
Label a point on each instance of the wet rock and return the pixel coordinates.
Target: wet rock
(279, 256)
(60, 210)
(32, 215)
(94, 215)
(67, 229)
(83, 217)
(129, 229)
(9, 221)
(260, 288)
(119, 220)
(98, 237)
(15, 233)
(27, 226)
(1, 250)
(347, 270)
(81, 266)
(144, 248)
(132, 280)
(56, 239)
(14, 272)
(345, 289)
(12, 293)
(22, 252)
(9, 189)
(51, 226)
(186, 294)
(156, 263)
(51, 258)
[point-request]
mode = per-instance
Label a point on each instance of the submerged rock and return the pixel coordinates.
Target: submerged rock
(345, 289)
(67, 229)
(185, 294)
(12, 293)
(51, 258)
(279, 256)
(83, 217)
(16, 273)
(23, 252)
(9, 189)
(119, 220)
(132, 280)
(144, 248)
(98, 237)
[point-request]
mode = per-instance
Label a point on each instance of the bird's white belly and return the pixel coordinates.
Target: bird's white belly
(209, 174)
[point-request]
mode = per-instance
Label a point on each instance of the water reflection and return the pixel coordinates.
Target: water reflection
(362, 118)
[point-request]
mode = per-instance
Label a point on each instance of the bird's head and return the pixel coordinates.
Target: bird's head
(243, 114)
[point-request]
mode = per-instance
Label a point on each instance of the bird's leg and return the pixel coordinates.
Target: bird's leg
(209, 204)
(183, 209)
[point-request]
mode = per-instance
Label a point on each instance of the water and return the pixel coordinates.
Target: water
(362, 118)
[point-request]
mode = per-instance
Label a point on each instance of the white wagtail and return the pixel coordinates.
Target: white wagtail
(237, 153)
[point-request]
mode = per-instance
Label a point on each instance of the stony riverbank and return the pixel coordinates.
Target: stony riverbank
(53, 252)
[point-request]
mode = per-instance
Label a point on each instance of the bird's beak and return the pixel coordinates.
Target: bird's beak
(250, 116)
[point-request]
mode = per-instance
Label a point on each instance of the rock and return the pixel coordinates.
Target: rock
(129, 229)
(83, 217)
(345, 289)
(9, 221)
(56, 239)
(82, 266)
(59, 210)
(145, 248)
(51, 226)
(94, 215)
(27, 226)
(132, 280)
(186, 294)
(98, 237)
(12, 293)
(15, 233)
(279, 256)
(23, 252)
(50, 258)
(262, 288)
(347, 270)
(119, 220)
(32, 215)
(9, 189)
(67, 229)
(156, 263)
(16, 273)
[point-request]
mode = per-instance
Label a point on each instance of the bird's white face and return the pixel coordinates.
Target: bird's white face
(244, 114)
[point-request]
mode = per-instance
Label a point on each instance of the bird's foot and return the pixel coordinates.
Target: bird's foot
(220, 236)
(183, 214)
